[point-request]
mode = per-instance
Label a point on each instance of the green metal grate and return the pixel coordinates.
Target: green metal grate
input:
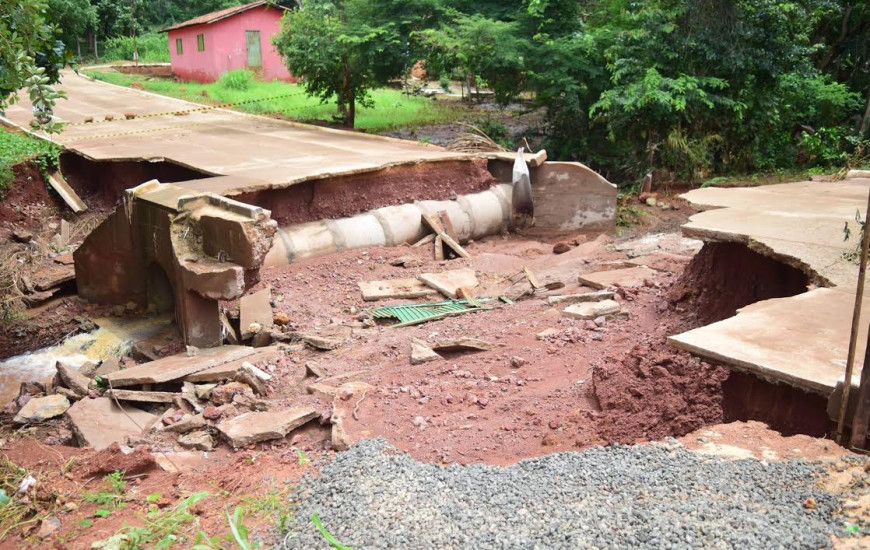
(414, 314)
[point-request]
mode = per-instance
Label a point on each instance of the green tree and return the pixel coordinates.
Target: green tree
(30, 59)
(344, 48)
(73, 19)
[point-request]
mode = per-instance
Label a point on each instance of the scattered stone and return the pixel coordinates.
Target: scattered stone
(592, 310)
(561, 248)
(323, 391)
(448, 282)
(225, 393)
(255, 310)
(324, 343)
(548, 333)
(40, 409)
(203, 391)
(422, 353)
(254, 427)
(48, 527)
(405, 289)
(408, 262)
(99, 422)
(600, 321)
(210, 412)
(280, 318)
(188, 423)
(198, 441)
(578, 298)
(228, 371)
(247, 377)
(22, 235)
(517, 362)
(73, 379)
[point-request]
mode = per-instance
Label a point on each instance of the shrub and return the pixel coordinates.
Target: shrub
(153, 48)
(239, 79)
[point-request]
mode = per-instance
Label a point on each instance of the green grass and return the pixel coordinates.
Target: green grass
(17, 147)
(391, 108)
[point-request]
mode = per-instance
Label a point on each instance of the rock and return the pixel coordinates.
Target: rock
(456, 345)
(280, 318)
(561, 248)
(211, 413)
(53, 276)
(408, 262)
(422, 353)
(48, 527)
(247, 376)
(254, 427)
(256, 309)
(99, 422)
(600, 321)
(198, 441)
(448, 282)
(228, 371)
(651, 201)
(68, 393)
(517, 362)
(548, 333)
(203, 391)
(142, 396)
(40, 409)
(73, 379)
(22, 235)
(325, 343)
(592, 310)
(225, 393)
(323, 391)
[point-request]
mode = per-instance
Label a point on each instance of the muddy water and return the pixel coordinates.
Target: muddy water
(114, 338)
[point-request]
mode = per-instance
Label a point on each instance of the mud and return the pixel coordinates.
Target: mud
(348, 195)
(724, 277)
(27, 202)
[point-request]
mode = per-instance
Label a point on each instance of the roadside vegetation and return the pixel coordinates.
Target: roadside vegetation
(389, 108)
(18, 147)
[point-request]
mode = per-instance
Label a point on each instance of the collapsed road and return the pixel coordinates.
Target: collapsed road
(367, 288)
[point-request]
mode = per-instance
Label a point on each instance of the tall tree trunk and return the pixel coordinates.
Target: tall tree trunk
(865, 123)
(835, 45)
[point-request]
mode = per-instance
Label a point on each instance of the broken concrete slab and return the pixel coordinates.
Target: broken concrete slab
(324, 342)
(69, 196)
(228, 370)
(53, 276)
(142, 396)
(448, 282)
(177, 366)
(323, 391)
(253, 427)
(100, 422)
(40, 409)
(592, 310)
(422, 353)
(188, 423)
(455, 345)
(394, 289)
(255, 313)
(568, 299)
(340, 379)
(629, 277)
(73, 379)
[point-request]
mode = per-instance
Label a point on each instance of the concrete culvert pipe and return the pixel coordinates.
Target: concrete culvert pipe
(473, 216)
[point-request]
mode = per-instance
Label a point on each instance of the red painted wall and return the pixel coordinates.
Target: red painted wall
(225, 47)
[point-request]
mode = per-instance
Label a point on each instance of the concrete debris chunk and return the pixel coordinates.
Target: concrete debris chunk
(247, 376)
(142, 396)
(73, 379)
(198, 441)
(340, 379)
(394, 289)
(630, 277)
(53, 276)
(188, 423)
(228, 371)
(592, 310)
(253, 427)
(448, 282)
(548, 333)
(408, 262)
(256, 310)
(323, 391)
(422, 353)
(203, 391)
(461, 345)
(323, 342)
(100, 422)
(568, 299)
(175, 367)
(344, 405)
(40, 409)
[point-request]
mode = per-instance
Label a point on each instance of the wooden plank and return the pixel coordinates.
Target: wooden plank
(435, 225)
(533, 280)
(143, 396)
(59, 184)
(425, 240)
(439, 248)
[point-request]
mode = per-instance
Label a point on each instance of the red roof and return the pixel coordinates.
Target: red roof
(220, 14)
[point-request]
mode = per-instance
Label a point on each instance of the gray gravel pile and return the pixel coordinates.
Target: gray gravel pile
(633, 497)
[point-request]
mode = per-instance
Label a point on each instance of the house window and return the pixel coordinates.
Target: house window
(200, 42)
(178, 49)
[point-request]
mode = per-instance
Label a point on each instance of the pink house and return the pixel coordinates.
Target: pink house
(206, 47)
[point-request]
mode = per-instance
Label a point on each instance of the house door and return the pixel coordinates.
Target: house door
(255, 54)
